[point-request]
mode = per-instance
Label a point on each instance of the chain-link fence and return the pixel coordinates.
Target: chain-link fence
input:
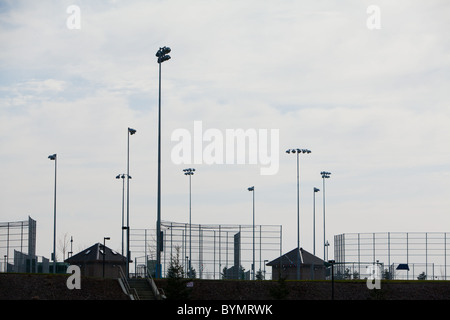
(209, 251)
(400, 255)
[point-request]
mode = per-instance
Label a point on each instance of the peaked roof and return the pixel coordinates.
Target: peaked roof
(290, 258)
(95, 253)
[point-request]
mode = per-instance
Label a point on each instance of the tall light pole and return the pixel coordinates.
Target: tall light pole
(162, 55)
(252, 189)
(298, 151)
(325, 175)
(190, 172)
(314, 219)
(53, 157)
(130, 133)
(119, 176)
(104, 254)
(71, 251)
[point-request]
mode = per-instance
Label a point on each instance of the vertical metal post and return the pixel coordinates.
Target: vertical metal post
(54, 221)
(190, 228)
(220, 251)
(253, 277)
(426, 255)
(281, 252)
(314, 219)
(324, 236)
(7, 249)
(445, 256)
(158, 222)
(123, 211)
(260, 245)
(407, 256)
(128, 203)
(298, 218)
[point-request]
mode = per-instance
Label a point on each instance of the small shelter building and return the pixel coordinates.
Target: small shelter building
(311, 266)
(98, 261)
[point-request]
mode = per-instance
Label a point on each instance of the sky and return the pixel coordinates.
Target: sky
(362, 84)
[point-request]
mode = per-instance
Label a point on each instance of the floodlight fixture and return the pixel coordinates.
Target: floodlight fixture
(163, 51)
(325, 174)
(189, 171)
(52, 156)
(131, 131)
(297, 150)
(163, 54)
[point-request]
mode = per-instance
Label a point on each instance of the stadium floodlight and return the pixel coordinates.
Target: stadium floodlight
(53, 158)
(252, 189)
(190, 172)
(314, 219)
(298, 151)
(130, 131)
(162, 55)
(325, 175)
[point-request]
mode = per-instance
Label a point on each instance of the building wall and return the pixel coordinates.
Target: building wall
(307, 272)
(96, 269)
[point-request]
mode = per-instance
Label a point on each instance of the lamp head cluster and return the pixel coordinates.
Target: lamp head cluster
(52, 156)
(131, 131)
(189, 171)
(251, 188)
(123, 175)
(298, 151)
(325, 174)
(316, 189)
(162, 54)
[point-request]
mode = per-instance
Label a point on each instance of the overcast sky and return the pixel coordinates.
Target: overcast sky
(371, 104)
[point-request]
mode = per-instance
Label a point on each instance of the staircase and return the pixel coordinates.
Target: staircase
(142, 287)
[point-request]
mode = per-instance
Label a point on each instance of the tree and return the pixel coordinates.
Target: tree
(422, 276)
(192, 273)
(279, 291)
(176, 284)
(63, 245)
(259, 275)
(386, 274)
(224, 273)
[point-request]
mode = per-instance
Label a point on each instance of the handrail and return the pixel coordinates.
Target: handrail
(158, 292)
(128, 289)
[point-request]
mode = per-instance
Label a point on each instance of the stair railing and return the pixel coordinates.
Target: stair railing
(158, 292)
(131, 292)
